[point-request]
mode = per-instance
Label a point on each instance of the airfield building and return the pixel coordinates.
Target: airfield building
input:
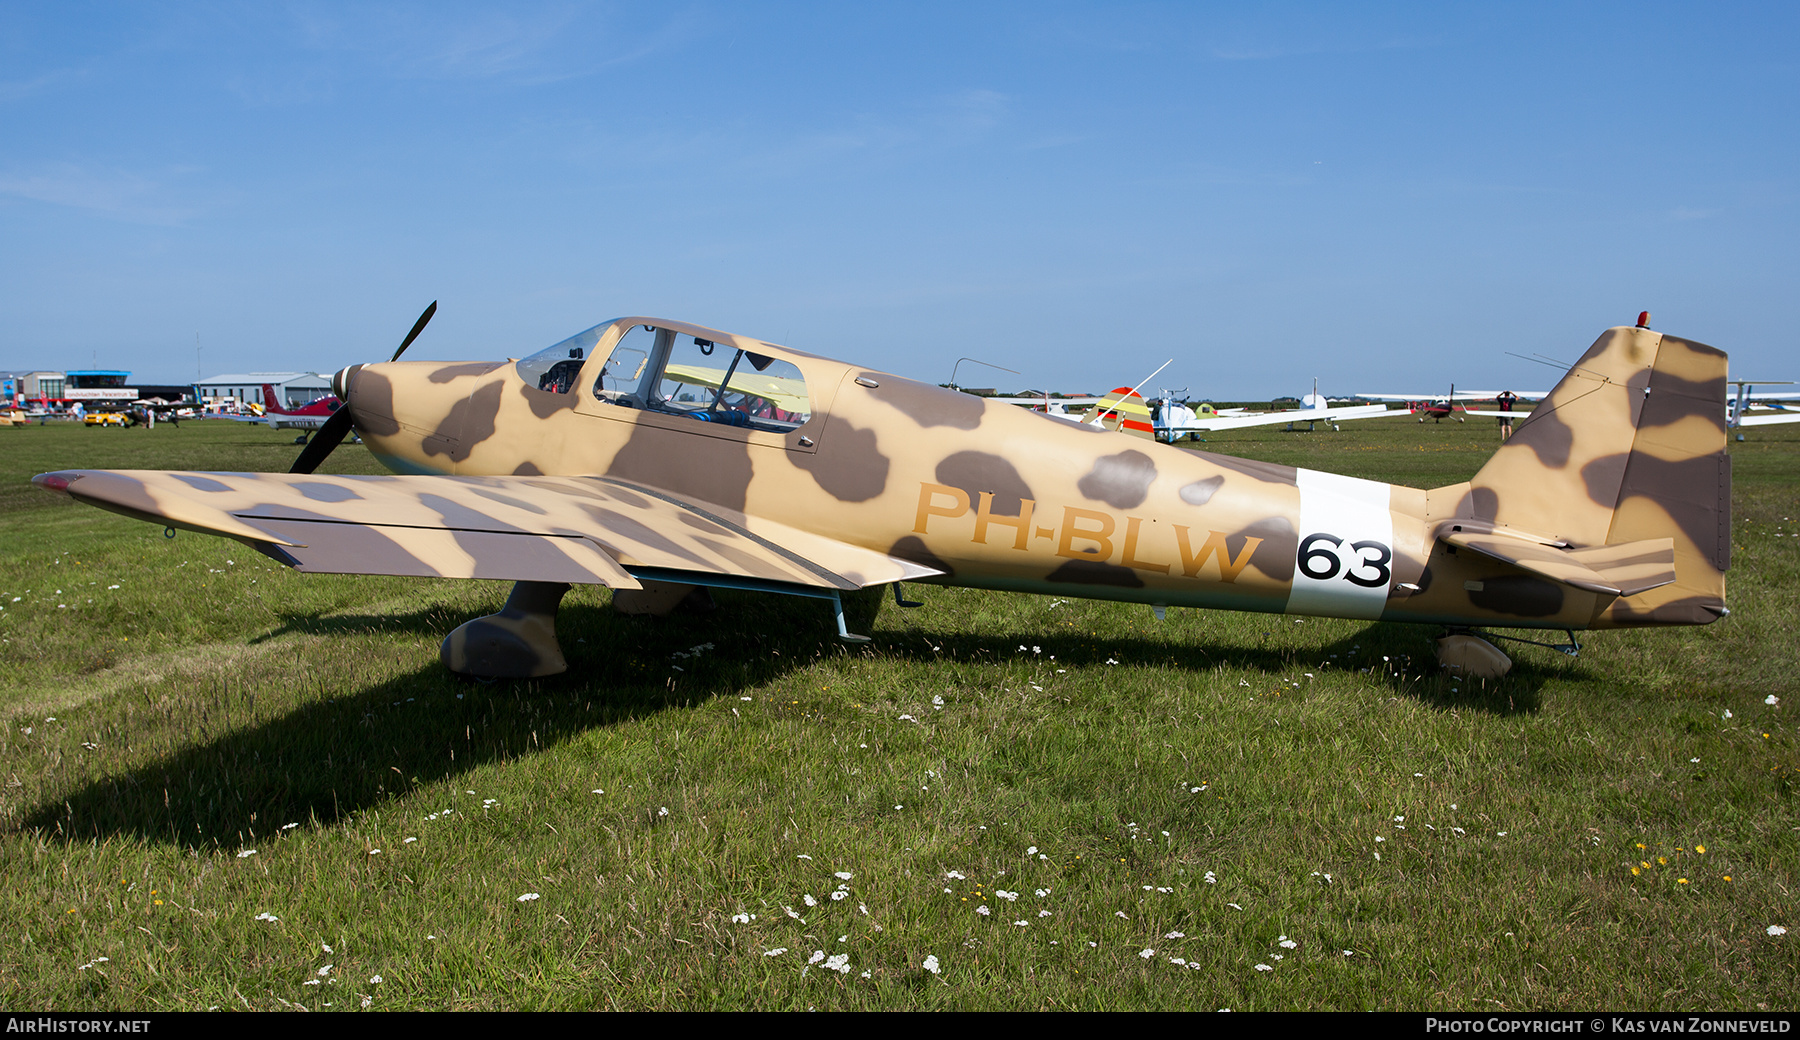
(295, 388)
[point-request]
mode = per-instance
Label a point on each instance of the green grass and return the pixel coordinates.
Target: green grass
(1201, 776)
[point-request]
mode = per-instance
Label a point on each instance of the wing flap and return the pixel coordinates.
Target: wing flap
(421, 552)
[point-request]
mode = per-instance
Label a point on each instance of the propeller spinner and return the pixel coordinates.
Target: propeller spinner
(337, 427)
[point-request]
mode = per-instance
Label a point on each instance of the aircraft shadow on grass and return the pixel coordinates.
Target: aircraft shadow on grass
(337, 756)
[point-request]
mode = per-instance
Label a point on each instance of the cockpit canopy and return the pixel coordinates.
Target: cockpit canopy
(676, 373)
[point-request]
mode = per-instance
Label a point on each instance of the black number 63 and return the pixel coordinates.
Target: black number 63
(1321, 564)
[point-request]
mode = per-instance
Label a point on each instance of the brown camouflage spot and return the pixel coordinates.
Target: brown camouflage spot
(470, 368)
(913, 550)
(1603, 477)
(543, 403)
(1544, 432)
(199, 483)
(527, 469)
(1092, 572)
(973, 472)
(848, 466)
(372, 404)
(1201, 492)
(456, 515)
(1673, 398)
(277, 510)
(470, 421)
(620, 495)
(326, 492)
(1275, 556)
(1121, 481)
(698, 523)
(712, 469)
(1519, 596)
(508, 500)
(577, 488)
(928, 405)
(626, 527)
(745, 563)
(1694, 492)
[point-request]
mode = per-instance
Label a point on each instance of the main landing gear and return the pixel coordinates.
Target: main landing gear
(519, 640)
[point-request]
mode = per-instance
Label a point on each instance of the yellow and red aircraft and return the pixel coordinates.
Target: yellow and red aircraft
(654, 456)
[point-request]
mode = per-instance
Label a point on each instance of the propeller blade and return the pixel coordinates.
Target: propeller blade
(336, 428)
(328, 437)
(418, 327)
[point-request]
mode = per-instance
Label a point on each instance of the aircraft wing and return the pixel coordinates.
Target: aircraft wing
(1774, 418)
(582, 530)
(787, 394)
(1461, 395)
(1039, 401)
(1215, 423)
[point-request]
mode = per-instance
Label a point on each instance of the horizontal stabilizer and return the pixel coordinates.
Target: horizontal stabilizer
(1610, 570)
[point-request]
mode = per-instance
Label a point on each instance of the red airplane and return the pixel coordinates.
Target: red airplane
(307, 417)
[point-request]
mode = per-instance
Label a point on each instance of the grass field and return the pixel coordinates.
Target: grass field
(224, 784)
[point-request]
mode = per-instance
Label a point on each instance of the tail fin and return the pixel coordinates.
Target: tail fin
(271, 402)
(1628, 449)
(1124, 409)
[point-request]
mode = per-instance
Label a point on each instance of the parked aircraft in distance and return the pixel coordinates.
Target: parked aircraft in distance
(1748, 408)
(1176, 420)
(1452, 406)
(1606, 509)
(307, 417)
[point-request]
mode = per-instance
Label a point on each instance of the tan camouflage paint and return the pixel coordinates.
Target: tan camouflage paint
(1618, 482)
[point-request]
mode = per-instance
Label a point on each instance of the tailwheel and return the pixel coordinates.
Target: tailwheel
(1460, 653)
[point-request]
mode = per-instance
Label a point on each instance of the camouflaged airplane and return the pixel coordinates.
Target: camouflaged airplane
(652, 457)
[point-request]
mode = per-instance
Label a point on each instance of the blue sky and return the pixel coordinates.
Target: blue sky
(1389, 197)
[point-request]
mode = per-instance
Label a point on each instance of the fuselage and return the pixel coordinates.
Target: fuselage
(991, 495)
